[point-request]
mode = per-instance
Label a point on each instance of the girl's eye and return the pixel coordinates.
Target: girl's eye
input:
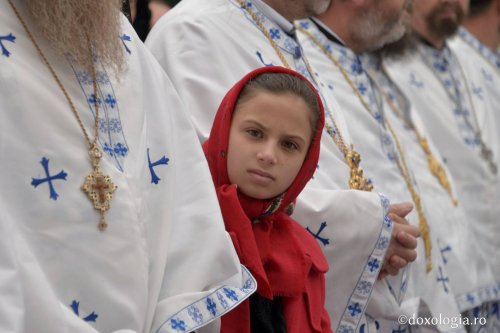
(254, 133)
(290, 145)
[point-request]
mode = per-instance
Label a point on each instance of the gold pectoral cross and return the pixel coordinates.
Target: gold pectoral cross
(99, 187)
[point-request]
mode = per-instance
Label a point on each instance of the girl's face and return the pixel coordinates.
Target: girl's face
(269, 138)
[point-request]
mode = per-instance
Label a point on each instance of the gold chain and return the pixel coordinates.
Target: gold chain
(98, 186)
(436, 168)
(356, 180)
(401, 161)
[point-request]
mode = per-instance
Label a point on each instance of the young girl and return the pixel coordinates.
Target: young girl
(262, 150)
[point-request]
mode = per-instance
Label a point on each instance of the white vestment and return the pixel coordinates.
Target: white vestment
(165, 262)
(447, 96)
(206, 47)
(482, 67)
(428, 294)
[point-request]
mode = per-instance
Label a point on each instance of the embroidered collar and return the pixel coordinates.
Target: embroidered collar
(329, 33)
(483, 50)
(275, 17)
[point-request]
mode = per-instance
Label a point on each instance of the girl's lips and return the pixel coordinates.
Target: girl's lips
(260, 175)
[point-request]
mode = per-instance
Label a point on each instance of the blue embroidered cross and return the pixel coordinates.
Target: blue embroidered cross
(110, 100)
(440, 65)
(354, 309)
(48, 178)
(231, 294)
(222, 300)
(415, 82)
(374, 264)
(478, 91)
(362, 88)
(75, 307)
(211, 307)
(262, 59)
(443, 279)
(356, 67)
(275, 33)
(126, 38)
(195, 314)
(121, 149)
(163, 160)
(92, 99)
(178, 325)
(316, 235)
(443, 250)
(9, 38)
(470, 298)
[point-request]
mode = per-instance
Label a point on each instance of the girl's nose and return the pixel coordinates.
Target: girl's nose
(267, 154)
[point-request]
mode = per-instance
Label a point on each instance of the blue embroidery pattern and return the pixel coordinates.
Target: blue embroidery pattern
(482, 49)
(324, 241)
(204, 310)
(353, 313)
(259, 55)
(163, 160)
(9, 38)
(90, 318)
(286, 43)
(443, 279)
(195, 314)
(178, 325)
(354, 309)
(48, 178)
(231, 294)
(447, 70)
(469, 300)
(364, 287)
(222, 300)
(345, 329)
(356, 68)
(415, 82)
(211, 307)
(111, 135)
(443, 250)
(126, 38)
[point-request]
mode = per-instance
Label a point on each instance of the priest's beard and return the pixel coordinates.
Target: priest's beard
(316, 7)
(375, 28)
(400, 48)
(298, 9)
(445, 27)
(70, 25)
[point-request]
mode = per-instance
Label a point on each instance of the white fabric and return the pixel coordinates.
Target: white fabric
(477, 187)
(165, 263)
(482, 66)
(425, 295)
(206, 47)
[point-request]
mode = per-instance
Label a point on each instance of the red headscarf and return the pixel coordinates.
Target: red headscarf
(278, 251)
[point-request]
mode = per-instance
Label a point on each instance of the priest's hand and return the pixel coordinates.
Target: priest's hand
(402, 248)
